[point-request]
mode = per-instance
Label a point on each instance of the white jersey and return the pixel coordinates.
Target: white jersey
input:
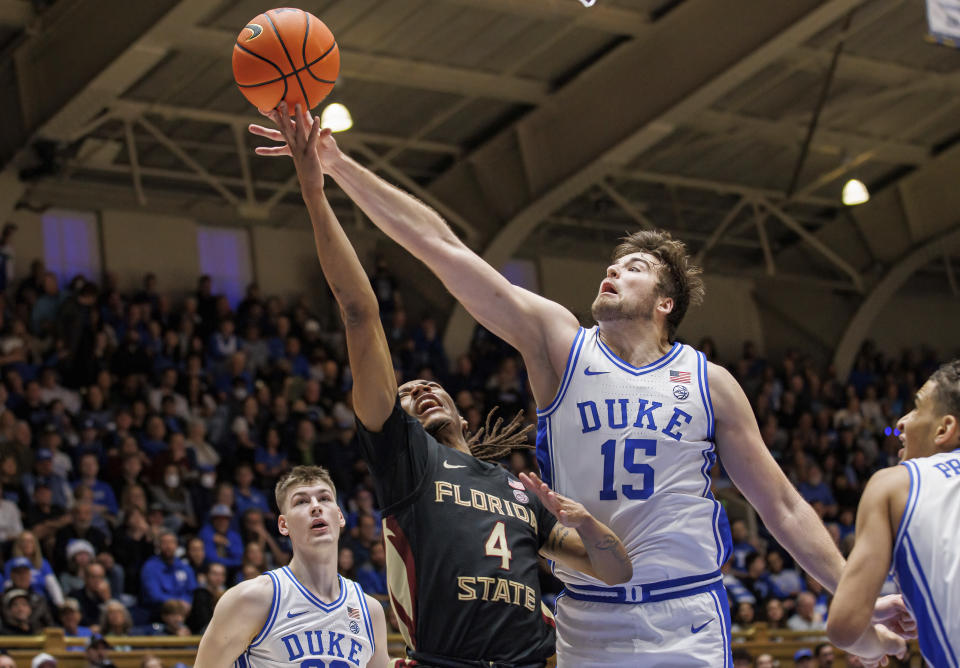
(926, 555)
(303, 630)
(635, 447)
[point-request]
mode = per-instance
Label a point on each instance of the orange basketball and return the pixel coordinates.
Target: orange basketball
(285, 54)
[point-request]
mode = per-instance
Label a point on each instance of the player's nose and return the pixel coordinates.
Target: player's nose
(612, 271)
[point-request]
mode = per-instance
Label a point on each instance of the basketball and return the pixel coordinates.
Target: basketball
(285, 54)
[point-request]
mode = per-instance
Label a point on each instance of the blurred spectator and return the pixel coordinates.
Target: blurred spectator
(165, 577)
(81, 526)
(133, 546)
(104, 500)
(806, 617)
(742, 549)
(824, 654)
(346, 565)
(174, 499)
(43, 516)
(42, 578)
(20, 578)
(42, 660)
(115, 620)
(196, 558)
(97, 652)
(172, 615)
(363, 538)
(764, 661)
(17, 614)
(11, 524)
(221, 543)
(70, 617)
(246, 496)
(80, 553)
(742, 658)
(803, 658)
(44, 475)
(253, 530)
(94, 593)
(206, 596)
(785, 582)
(372, 576)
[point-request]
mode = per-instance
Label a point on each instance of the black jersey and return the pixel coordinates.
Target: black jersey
(462, 537)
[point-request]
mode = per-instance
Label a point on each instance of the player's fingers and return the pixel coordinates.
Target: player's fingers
(269, 133)
(272, 150)
(314, 135)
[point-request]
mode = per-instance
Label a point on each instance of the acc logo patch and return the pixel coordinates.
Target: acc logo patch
(516, 484)
(680, 392)
(521, 497)
(354, 627)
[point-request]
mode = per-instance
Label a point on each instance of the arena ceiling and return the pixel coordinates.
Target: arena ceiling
(532, 125)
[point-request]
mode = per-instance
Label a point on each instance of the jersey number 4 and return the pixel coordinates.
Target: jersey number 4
(632, 446)
(496, 545)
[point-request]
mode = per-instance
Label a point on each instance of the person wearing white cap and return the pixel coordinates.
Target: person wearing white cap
(43, 660)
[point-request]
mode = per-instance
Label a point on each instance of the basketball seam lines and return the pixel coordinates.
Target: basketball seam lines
(317, 60)
(283, 77)
(289, 59)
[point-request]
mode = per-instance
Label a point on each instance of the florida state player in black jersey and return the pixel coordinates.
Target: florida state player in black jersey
(462, 534)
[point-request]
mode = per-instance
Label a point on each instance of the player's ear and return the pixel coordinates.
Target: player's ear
(665, 305)
(948, 431)
(340, 519)
(282, 525)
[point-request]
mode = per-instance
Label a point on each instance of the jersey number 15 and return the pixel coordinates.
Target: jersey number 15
(608, 450)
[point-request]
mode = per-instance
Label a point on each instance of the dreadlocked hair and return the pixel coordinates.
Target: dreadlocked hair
(491, 443)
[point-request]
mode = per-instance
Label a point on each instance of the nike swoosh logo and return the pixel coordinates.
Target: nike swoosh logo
(255, 29)
(448, 465)
(588, 372)
(698, 629)
(292, 614)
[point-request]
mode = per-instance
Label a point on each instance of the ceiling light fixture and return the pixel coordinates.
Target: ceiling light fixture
(336, 117)
(855, 192)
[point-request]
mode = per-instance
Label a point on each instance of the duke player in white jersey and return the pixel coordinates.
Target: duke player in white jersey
(304, 613)
(630, 425)
(908, 521)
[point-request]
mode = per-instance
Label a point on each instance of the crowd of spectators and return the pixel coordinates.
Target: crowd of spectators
(142, 433)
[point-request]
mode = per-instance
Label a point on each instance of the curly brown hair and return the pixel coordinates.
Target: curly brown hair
(946, 380)
(678, 279)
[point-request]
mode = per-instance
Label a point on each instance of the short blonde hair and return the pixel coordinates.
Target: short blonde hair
(299, 476)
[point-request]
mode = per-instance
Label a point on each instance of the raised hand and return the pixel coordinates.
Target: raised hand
(287, 126)
(567, 511)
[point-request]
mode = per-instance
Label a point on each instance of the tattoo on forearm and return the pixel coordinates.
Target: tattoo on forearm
(555, 541)
(608, 542)
(611, 542)
(562, 536)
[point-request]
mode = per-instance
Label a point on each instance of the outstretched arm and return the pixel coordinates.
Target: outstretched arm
(751, 467)
(849, 623)
(540, 329)
(578, 539)
(374, 382)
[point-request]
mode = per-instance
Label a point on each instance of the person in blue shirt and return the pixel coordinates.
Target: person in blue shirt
(247, 496)
(222, 544)
(165, 577)
(104, 500)
(815, 489)
(372, 576)
(43, 473)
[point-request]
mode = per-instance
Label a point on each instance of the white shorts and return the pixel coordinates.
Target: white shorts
(688, 632)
